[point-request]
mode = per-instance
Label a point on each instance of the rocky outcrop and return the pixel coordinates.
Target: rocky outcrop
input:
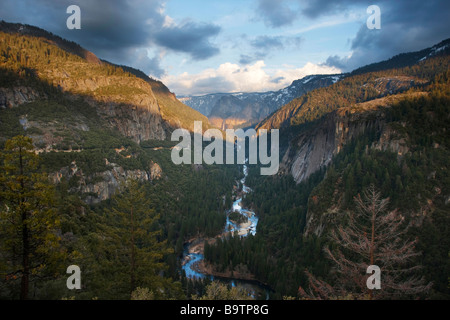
(315, 147)
(127, 104)
(102, 185)
(13, 97)
(137, 122)
(155, 171)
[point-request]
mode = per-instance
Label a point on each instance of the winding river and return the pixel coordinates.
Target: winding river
(192, 255)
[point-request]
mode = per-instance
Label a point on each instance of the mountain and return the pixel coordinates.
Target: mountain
(94, 126)
(383, 126)
(88, 118)
(229, 110)
(366, 83)
(152, 110)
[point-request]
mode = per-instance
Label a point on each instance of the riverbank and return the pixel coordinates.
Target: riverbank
(193, 259)
(209, 270)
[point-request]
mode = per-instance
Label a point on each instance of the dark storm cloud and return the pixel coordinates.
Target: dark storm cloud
(115, 30)
(105, 24)
(336, 61)
(190, 38)
(405, 26)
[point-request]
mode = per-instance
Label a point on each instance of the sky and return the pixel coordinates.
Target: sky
(208, 46)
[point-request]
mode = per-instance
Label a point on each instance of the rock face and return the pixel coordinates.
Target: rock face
(136, 113)
(315, 148)
(137, 122)
(102, 185)
(13, 97)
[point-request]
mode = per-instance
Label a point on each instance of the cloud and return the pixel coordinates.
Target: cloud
(118, 30)
(248, 59)
(267, 42)
(405, 26)
(316, 8)
(275, 13)
(229, 77)
(191, 38)
(263, 46)
(290, 74)
(151, 65)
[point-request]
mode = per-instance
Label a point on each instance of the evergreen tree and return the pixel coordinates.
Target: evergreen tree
(28, 220)
(140, 250)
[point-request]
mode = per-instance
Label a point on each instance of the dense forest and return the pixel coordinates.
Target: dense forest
(189, 202)
(129, 244)
(66, 129)
(416, 184)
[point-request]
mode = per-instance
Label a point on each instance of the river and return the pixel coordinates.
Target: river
(193, 253)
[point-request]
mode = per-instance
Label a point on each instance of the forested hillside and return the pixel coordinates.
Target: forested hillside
(398, 144)
(87, 127)
(375, 81)
(87, 179)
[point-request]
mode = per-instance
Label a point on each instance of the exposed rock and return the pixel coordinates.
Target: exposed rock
(102, 185)
(316, 147)
(138, 116)
(155, 171)
(13, 97)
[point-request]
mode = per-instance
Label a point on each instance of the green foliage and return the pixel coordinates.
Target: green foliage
(124, 249)
(142, 294)
(416, 183)
(134, 234)
(356, 88)
(30, 247)
(269, 255)
(219, 291)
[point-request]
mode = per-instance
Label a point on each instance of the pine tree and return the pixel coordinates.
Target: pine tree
(373, 236)
(28, 220)
(140, 250)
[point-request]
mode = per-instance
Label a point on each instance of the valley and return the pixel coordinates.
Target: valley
(240, 110)
(87, 170)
